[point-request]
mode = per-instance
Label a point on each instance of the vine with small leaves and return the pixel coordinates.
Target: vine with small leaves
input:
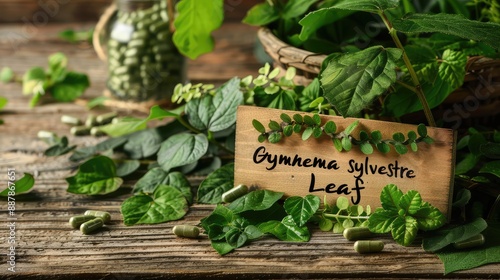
(342, 140)
(342, 215)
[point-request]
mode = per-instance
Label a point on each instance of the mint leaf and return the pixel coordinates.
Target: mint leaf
(6, 75)
(256, 201)
(429, 217)
(261, 14)
(404, 230)
(381, 220)
(390, 198)
(71, 87)
(286, 230)
(443, 238)
(451, 24)
(301, 209)
(182, 149)
(372, 6)
(96, 176)
(220, 181)
(194, 24)
(452, 68)
(411, 202)
(167, 204)
(354, 80)
(23, 185)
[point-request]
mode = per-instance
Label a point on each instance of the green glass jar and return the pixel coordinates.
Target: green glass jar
(143, 63)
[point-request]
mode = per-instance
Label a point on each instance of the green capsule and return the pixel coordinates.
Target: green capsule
(120, 70)
(90, 121)
(136, 43)
(186, 231)
(105, 216)
(368, 246)
(474, 241)
(163, 36)
(106, 118)
(76, 221)
(234, 193)
(159, 26)
(140, 34)
(70, 120)
(132, 52)
(112, 43)
(91, 226)
(131, 61)
(357, 233)
(80, 130)
(96, 131)
(42, 134)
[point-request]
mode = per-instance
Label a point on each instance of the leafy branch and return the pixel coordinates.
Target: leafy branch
(342, 215)
(311, 126)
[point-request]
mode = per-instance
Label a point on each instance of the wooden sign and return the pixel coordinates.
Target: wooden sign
(313, 166)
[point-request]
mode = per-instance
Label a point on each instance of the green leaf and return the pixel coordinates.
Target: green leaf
(236, 238)
(3, 102)
(342, 203)
(452, 68)
(466, 164)
(274, 125)
(491, 167)
(454, 260)
(167, 204)
(156, 176)
(194, 24)
(457, 25)
(307, 133)
(354, 80)
(490, 149)
(96, 176)
(399, 137)
(302, 208)
(23, 185)
(274, 137)
(372, 6)
(404, 230)
(429, 218)
(390, 198)
(381, 220)
(258, 126)
(220, 181)
(127, 167)
(346, 143)
(316, 19)
(182, 149)
(6, 75)
(288, 130)
(124, 126)
(366, 148)
(215, 223)
(296, 8)
(261, 14)
(256, 201)
(422, 130)
(218, 112)
(410, 202)
(72, 87)
(286, 230)
(57, 67)
(383, 147)
(330, 127)
(60, 148)
(222, 247)
(33, 79)
(446, 237)
(253, 232)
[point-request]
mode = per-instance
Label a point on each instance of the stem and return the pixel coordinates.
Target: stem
(170, 12)
(414, 89)
(418, 87)
(336, 216)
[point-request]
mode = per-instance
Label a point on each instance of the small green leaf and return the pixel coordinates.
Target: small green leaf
(383, 147)
(338, 144)
(71, 87)
(404, 230)
(258, 126)
(274, 125)
(167, 204)
(366, 148)
(296, 8)
(410, 202)
(124, 126)
(61, 147)
(446, 237)
(372, 6)
(390, 198)
(307, 133)
(491, 167)
(351, 128)
(399, 137)
(274, 137)
(298, 118)
(325, 224)
(429, 218)
(297, 128)
(157, 176)
(262, 138)
(96, 176)
(182, 149)
(261, 15)
(381, 220)
(221, 247)
(330, 127)
(6, 75)
(414, 146)
(215, 223)
(286, 230)
(346, 143)
(400, 148)
(286, 118)
(412, 135)
(194, 23)
(288, 130)
(255, 201)
(309, 120)
(302, 209)
(342, 203)
(220, 181)
(32, 79)
(317, 119)
(23, 185)
(127, 167)
(317, 132)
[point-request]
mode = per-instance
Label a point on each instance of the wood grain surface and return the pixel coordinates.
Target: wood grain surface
(48, 248)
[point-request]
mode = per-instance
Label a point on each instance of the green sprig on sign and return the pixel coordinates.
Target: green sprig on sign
(312, 126)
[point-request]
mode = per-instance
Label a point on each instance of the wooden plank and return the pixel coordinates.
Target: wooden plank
(298, 167)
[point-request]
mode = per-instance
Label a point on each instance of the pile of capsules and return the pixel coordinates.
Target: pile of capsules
(91, 124)
(90, 221)
(143, 62)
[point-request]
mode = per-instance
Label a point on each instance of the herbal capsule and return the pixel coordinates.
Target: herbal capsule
(105, 216)
(186, 231)
(96, 131)
(234, 193)
(136, 43)
(80, 130)
(106, 118)
(70, 120)
(475, 241)
(90, 121)
(46, 134)
(368, 246)
(131, 61)
(76, 221)
(357, 233)
(91, 226)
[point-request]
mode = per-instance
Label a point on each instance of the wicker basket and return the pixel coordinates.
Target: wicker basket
(478, 99)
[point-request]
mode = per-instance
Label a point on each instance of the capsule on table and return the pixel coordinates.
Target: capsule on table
(96, 131)
(357, 233)
(80, 130)
(234, 193)
(474, 241)
(45, 134)
(106, 118)
(90, 121)
(70, 120)
(186, 231)
(368, 246)
(91, 226)
(77, 221)
(105, 216)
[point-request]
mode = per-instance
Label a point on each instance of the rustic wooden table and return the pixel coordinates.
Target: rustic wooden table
(47, 248)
